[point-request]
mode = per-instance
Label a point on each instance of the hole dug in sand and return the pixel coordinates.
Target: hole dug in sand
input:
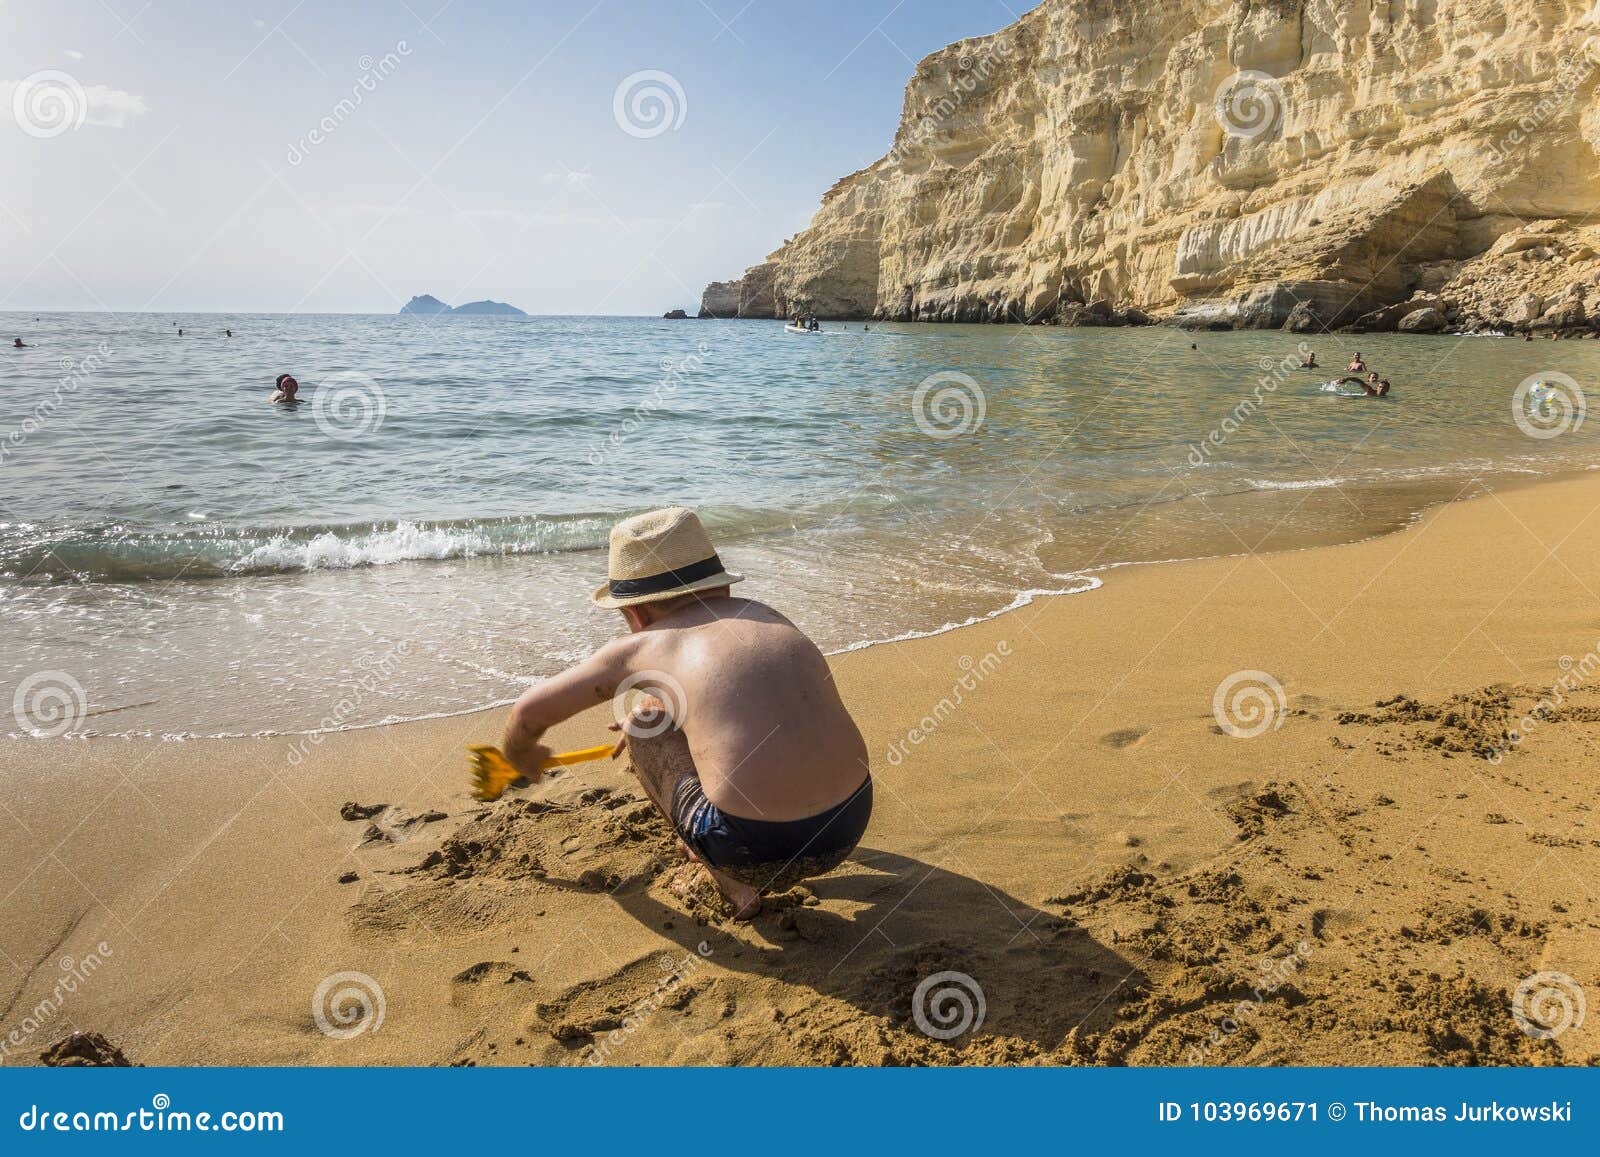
(490, 870)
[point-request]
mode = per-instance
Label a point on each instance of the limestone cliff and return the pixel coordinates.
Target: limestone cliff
(1224, 162)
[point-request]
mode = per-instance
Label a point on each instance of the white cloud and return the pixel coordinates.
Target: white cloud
(55, 97)
(571, 178)
(112, 107)
(73, 54)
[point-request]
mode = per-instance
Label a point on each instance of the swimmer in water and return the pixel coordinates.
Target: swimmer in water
(1310, 362)
(1356, 364)
(18, 344)
(229, 332)
(1194, 345)
(286, 390)
(1373, 386)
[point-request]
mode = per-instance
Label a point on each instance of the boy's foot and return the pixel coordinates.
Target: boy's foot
(743, 899)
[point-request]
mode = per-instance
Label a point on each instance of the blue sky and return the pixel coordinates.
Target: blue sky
(196, 168)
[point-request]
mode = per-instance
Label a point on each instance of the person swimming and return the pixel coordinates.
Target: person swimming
(18, 344)
(1356, 364)
(1310, 361)
(286, 390)
(1372, 386)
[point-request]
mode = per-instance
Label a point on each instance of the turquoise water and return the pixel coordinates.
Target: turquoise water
(419, 535)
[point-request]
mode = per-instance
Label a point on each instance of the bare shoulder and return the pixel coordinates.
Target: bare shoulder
(733, 609)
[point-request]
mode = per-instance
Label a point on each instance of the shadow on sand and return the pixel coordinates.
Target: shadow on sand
(885, 923)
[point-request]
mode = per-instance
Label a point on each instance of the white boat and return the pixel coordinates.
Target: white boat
(799, 329)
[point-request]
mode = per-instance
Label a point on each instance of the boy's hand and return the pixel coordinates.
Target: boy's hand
(526, 755)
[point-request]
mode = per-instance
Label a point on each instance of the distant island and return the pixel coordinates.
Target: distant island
(429, 306)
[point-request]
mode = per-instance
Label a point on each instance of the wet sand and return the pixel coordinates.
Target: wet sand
(1063, 819)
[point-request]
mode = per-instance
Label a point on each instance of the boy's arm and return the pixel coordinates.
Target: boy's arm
(560, 697)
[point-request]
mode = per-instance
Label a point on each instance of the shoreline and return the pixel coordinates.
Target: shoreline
(1065, 822)
(1502, 481)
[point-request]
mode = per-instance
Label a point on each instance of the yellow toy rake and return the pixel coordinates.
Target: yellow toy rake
(492, 773)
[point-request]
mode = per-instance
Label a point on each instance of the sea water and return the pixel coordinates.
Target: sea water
(421, 533)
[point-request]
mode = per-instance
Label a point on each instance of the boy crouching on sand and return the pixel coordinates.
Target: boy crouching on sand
(743, 742)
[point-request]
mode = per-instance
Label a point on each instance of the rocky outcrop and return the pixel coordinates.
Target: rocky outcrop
(720, 299)
(487, 308)
(424, 305)
(1428, 320)
(429, 306)
(1222, 163)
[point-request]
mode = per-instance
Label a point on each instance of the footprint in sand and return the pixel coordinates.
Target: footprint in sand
(1124, 737)
(488, 982)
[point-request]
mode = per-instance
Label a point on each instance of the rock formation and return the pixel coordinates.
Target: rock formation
(429, 306)
(488, 308)
(721, 299)
(425, 305)
(1224, 163)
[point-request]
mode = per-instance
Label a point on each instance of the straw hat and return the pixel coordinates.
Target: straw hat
(660, 555)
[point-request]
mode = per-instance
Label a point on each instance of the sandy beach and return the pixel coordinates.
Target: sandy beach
(1062, 818)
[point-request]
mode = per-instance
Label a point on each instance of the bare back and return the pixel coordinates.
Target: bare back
(770, 737)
